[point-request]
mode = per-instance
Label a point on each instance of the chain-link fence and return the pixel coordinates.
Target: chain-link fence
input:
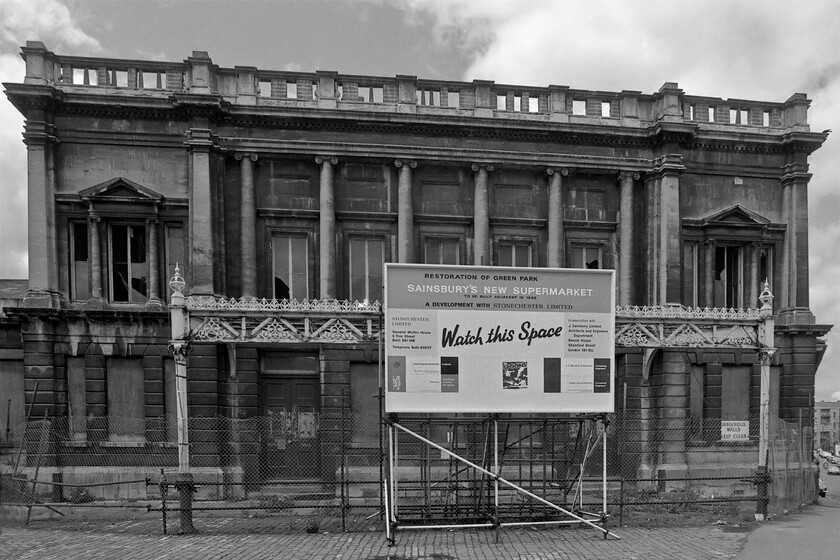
(311, 471)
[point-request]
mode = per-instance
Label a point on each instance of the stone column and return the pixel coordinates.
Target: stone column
(626, 257)
(154, 272)
(96, 300)
(327, 227)
(709, 278)
(556, 233)
(248, 228)
(481, 226)
(405, 212)
(754, 282)
(39, 137)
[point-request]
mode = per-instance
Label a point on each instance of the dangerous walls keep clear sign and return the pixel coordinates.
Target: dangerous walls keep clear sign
(734, 430)
(491, 339)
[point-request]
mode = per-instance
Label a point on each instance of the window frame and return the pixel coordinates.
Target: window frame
(514, 242)
(584, 245)
(74, 282)
(441, 241)
(691, 282)
(127, 223)
(290, 236)
(366, 239)
(168, 261)
(732, 296)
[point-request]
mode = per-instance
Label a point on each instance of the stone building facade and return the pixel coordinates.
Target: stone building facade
(827, 426)
(291, 185)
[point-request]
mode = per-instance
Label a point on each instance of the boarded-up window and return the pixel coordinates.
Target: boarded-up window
(587, 198)
(126, 396)
(77, 398)
(364, 391)
(12, 403)
(775, 380)
(515, 195)
(170, 400)
(735, 393)
(515, 201)
(366, 182)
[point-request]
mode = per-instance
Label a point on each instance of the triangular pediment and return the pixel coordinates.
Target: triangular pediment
(120, 188)
(736, 214)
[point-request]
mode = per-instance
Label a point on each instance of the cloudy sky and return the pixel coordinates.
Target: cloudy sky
(765, 50)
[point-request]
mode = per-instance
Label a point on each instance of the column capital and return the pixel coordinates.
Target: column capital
(330, 159)
(153, 220)
(486, 166)
(564, 171)
(795, 173)
(201, 140)
(409, 162)
(241, 155)
(39, 133)
(622, 175)
(668, 164)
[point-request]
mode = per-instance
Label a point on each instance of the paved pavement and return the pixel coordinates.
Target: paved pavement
(784, 537)
(812, 533)
(689, 543)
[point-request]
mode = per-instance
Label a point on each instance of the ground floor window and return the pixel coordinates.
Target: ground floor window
(126, 399)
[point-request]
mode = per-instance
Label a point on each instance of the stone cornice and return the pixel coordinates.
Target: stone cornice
(163, 104)
(26, 97)
(435, 153)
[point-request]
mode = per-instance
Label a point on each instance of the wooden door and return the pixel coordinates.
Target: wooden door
(290, 440)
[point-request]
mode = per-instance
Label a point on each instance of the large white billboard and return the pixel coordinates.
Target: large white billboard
(493, 339)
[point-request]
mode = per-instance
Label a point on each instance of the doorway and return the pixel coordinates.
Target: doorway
(290, 426)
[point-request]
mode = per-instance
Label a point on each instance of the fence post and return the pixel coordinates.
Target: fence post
(767, 350)
(163, 489)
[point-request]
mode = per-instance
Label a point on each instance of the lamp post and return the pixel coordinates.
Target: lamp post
(766, 327)
(180, 348)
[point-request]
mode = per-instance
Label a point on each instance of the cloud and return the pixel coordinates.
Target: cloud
(23, 20)
(13, 237)
(720, 49)
(466, 26)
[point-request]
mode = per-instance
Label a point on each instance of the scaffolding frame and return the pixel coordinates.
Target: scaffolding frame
(572, 516)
